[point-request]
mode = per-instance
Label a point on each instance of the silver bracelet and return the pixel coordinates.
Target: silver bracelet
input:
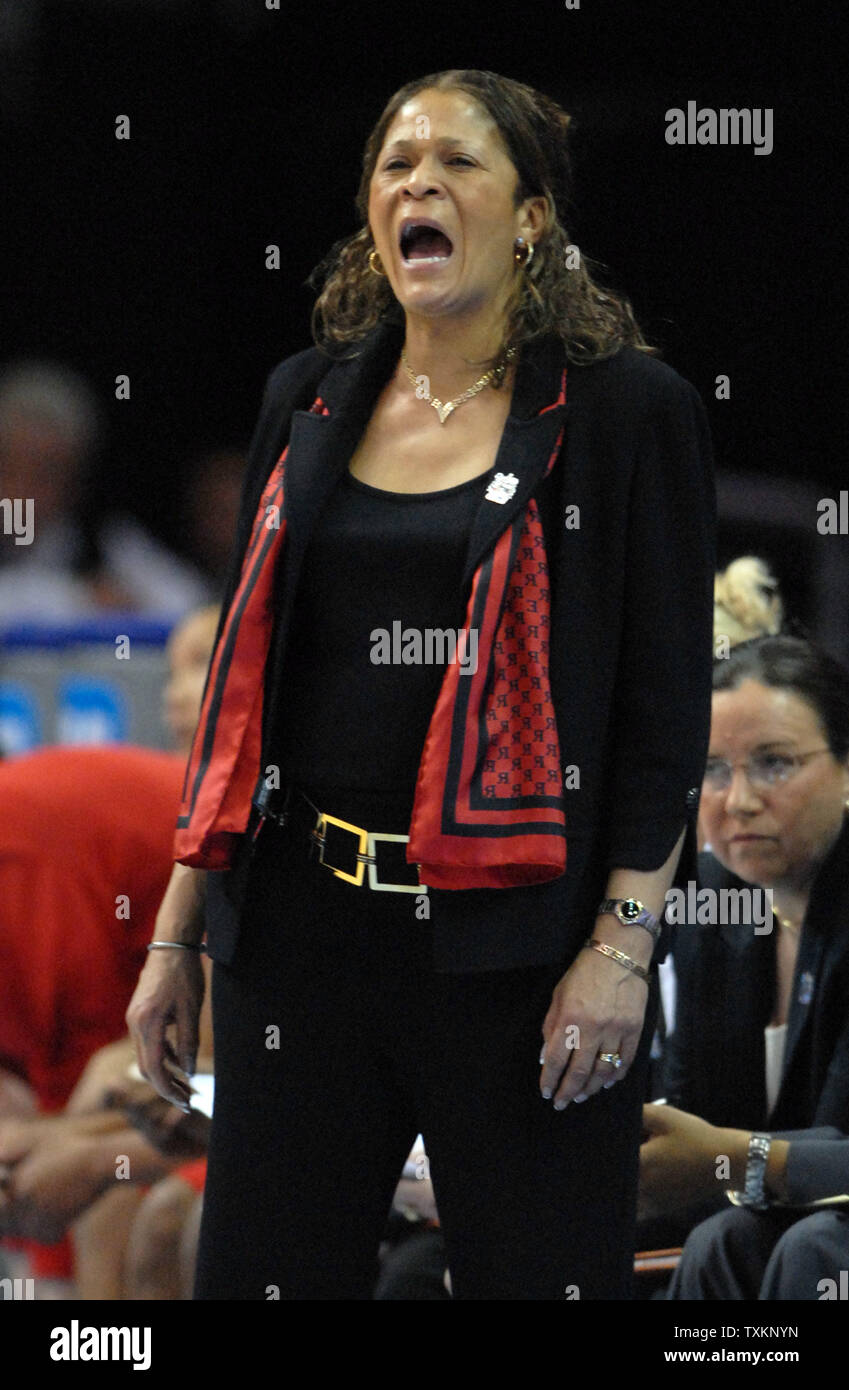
(172, 945)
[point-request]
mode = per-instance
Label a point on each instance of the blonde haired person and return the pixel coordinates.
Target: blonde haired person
(746, 602)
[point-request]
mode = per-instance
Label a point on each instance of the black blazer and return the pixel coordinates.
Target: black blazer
(632, 611)
(726, 989)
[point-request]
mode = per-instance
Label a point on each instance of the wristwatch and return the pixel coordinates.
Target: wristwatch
(632, 913)
(754, 1194)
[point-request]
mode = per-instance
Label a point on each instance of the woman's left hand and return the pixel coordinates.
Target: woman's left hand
(597, 1007)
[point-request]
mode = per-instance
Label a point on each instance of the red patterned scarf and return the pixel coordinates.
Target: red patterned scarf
(488, 810)
(226, 751)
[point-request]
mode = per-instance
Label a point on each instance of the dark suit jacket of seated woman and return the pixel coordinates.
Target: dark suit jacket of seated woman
(715, 1062)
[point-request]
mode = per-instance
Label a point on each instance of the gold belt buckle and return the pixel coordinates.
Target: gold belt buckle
(320, 832)
(373, 881)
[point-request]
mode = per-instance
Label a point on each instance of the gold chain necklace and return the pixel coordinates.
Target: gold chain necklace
(444, 409)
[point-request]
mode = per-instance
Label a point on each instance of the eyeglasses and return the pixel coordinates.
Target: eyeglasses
(762, 769)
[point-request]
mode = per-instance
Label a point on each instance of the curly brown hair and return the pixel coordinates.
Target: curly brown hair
(552, 296)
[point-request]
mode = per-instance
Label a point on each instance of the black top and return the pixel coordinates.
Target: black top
(379, 594)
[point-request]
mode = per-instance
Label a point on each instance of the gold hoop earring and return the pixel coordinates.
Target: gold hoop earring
(373, 256)
(523, 252)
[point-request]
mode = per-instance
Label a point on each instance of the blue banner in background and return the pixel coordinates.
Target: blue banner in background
(91, 711)
(20, 720)
(94, 681)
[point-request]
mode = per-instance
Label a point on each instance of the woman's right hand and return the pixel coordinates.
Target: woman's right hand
(162, 1018)
(163, 1013)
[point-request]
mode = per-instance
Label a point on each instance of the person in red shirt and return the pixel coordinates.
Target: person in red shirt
(85, 836)
(84, 859)
(85, 852)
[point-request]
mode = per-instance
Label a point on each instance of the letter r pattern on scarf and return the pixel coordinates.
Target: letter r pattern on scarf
(523, 754)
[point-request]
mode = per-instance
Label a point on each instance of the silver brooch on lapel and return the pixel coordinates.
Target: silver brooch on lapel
(502, 487)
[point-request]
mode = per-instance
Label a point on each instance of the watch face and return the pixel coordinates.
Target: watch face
(630, 909)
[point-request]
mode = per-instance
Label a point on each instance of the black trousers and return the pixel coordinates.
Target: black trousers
(336, 1043)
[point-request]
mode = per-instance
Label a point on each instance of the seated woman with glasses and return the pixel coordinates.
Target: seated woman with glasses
(747, 603)
(762, 1023)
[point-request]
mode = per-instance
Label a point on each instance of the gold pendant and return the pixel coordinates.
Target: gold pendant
(443, 411)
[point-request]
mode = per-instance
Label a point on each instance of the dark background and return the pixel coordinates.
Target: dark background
(147, 256)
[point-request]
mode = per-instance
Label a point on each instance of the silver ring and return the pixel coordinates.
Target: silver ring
(612, 1057)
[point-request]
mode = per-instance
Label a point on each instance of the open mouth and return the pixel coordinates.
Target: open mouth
(424, 241)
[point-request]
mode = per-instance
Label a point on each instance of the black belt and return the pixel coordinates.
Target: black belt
(346, 850)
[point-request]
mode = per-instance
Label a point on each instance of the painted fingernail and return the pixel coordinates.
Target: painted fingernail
(579, 1098)
(542, 1057)
(546, 1093)
(560, 1104)
(607, 1085)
